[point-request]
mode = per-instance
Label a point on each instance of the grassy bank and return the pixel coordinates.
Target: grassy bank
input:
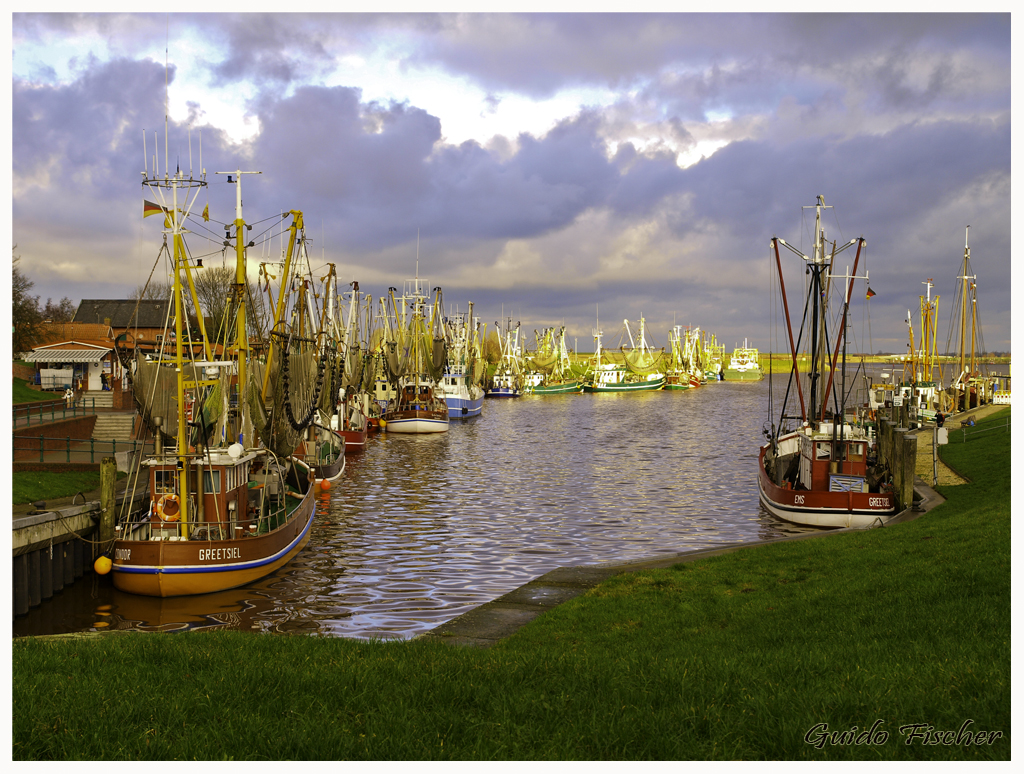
(22, 393)
(741, 656)
(32, 485)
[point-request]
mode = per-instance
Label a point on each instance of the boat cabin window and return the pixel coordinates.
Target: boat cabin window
(822, 450)
(211, 481)
(165, 481)
(855, 452)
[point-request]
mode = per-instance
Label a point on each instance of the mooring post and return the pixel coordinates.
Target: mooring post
(909, 463)
(108, 478)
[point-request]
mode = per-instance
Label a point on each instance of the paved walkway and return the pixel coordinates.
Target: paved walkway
(925, 469)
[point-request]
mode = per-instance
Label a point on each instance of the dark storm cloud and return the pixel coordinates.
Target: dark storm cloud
(901, 121)
(745, 61)
(89, 131)
(77, 155)
(382, 173)
(270, 49)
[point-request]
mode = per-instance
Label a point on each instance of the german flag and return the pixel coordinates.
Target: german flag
(870, 292)
(148, 208)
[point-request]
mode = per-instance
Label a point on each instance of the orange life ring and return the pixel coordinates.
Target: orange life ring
(172, 510)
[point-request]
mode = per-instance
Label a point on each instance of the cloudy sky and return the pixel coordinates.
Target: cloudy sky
(556, 167)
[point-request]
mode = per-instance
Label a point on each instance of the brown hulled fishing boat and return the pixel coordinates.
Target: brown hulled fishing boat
(228, 502)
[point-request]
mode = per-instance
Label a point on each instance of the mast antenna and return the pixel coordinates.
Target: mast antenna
(167, 46)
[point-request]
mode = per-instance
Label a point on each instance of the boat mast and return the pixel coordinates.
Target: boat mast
(241, 346)
(174, 217)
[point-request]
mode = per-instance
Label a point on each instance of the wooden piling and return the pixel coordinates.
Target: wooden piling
(108, 506)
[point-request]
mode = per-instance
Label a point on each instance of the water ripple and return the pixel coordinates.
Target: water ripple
(421, 529)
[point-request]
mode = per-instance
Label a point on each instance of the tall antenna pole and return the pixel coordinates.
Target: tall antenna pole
(167, 46)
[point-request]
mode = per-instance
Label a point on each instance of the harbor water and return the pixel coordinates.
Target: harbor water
(420, 529)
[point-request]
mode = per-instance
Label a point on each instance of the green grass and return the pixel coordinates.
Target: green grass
(731, 657)
(22, 393)
(30, 486)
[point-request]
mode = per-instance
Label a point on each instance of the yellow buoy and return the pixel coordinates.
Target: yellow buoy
(102, 565)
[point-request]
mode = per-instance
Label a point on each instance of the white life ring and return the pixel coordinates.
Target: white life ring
(168, 508)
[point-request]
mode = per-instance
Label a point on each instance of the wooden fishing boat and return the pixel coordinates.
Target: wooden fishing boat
(417, 410)
(824, 473)
(222, 514)
(415, 359)
(684, 371)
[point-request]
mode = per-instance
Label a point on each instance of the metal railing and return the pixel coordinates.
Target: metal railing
(80, 450)
(969, 429)
(54, 411)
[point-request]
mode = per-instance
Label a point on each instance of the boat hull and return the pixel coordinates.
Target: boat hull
(417, 421)
(173, 568)
(731, 375)
(503, 392)
(680, 382)
(355, 440)
(823, 508)
(650, 384)
(560, 388)
(330, 471)
(464, 408)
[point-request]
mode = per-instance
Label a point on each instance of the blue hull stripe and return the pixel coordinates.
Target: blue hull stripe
(185, 569)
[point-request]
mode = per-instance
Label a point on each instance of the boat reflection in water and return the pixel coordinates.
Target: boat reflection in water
(421, 528)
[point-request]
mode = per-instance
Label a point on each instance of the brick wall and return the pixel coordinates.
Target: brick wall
(26, 372)
(55, 435)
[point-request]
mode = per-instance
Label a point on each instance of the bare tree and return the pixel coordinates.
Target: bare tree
(213, 287)
(25, 315)
(154, 291)
(64, 311)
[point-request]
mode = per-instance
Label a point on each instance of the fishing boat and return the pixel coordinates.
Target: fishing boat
(415, 358)
(918, 390)
(225, 510)
(507, 380)
(551, 369)
(969, 386)
(823, 472)
(684, 371)
(744, 365)
(351, 418)
(460, 385)
(639, 371)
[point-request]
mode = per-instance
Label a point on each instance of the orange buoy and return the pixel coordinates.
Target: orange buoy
(102, 565)
(325, 484)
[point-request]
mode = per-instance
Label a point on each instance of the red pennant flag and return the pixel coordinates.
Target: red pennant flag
(871, 292)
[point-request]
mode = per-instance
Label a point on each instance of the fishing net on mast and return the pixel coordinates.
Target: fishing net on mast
(544, 362)
(355, 363)
(396, 360)
(156, 392)
(292, 397)
(369, 372)
(437, 358)
(643, 363)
